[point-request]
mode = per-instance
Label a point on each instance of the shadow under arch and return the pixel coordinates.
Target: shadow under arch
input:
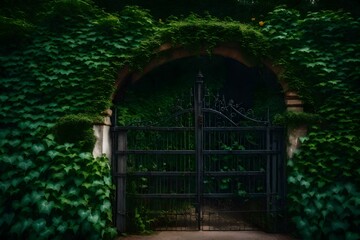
(167, 53)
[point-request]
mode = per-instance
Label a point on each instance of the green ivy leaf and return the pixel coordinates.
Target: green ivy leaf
(37, 148)
(63, 227)
(93, 218)
(339, 225)
(7, 218)
(26, 200)
(45, 207)
(356, 148)
(21, 226)
(4, 185)
(15, 182)
(52, 154)
(83, 214)
(57, 220)
(25, 165)
(106, 206)
(56, 186)
(39, 225)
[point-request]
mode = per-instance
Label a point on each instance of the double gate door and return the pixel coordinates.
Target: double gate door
(210, 166)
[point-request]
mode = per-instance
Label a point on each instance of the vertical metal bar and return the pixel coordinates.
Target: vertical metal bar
(121, 183)
(274, 175)
(113, 170)
(283, 179)
(114, 141)
(198, 99)
(268, 165)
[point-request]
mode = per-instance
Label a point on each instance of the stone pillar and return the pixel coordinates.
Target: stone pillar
(295, 104)
(103, 136)
(294, 135)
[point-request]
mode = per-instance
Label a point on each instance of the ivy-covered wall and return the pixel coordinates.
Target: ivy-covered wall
(321, 53)
(55, 84)
(60, 73)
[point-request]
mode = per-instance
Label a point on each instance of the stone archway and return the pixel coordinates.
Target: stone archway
(167, 53)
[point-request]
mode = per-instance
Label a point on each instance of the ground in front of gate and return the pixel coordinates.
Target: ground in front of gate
(208, 235)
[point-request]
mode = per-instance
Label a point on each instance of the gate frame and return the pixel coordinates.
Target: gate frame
(119, 164)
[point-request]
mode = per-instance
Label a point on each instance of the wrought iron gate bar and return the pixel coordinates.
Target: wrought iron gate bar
(165, 129)
(184, 129)
(205, 152)
(205, 195)
(245, 211)
(209, 110)
(232, 195)
(241, 129)
(240, 152)
(235, 173)
(157, 195)
(165, 174)
(249, 118)
(159, 152)
(183, 174)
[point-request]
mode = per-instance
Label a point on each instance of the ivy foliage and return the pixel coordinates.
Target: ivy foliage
(296, 119)
(14, 30)
(61, 78)
(321, 50)
(49, 190)
(197, 34)
(76, 129)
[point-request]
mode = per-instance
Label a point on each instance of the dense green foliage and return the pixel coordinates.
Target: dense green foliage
(322, 52)
(64, 62)
(295, 119)
(53, 189)
(76, 129)
(241, 10)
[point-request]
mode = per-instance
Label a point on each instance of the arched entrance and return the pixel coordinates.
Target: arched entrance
(205, 209)
(167, 53)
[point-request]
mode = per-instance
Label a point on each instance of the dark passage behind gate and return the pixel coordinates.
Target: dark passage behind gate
(210, 166)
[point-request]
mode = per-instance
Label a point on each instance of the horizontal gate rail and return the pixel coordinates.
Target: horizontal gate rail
(118, 129)
(182, 174)
(215, 129)
(241, 129)
(159, 152)
(232, 195)
(205, 195)
(234, 173)
(240, 152)
(164, 174)
(205, 152)
(158, 195)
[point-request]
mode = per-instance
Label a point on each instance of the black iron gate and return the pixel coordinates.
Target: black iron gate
(211, 166)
